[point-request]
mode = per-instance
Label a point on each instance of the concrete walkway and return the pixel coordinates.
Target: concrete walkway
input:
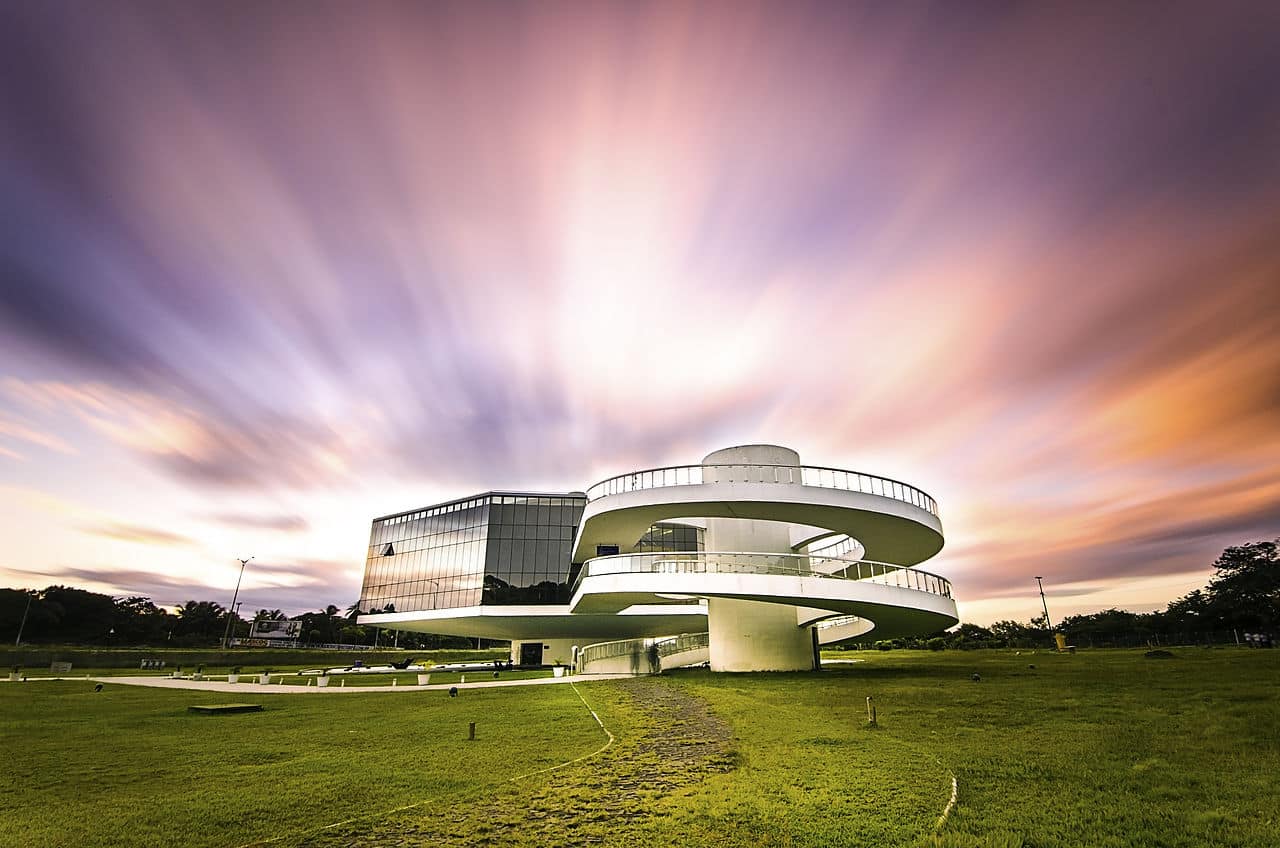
(296, 689)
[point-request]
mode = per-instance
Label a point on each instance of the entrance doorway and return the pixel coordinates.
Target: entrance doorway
(530, 653)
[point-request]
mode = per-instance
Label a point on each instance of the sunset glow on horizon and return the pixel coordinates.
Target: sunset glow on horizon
(269, 271)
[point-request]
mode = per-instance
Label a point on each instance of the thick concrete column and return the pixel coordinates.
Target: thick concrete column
(749, 635)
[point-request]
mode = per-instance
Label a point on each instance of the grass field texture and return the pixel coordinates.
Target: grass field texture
(130, 765)
(1103, 748)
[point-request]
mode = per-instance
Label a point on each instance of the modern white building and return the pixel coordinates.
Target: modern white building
(749, 560)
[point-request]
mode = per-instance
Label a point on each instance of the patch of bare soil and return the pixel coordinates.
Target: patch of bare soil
(674, 742)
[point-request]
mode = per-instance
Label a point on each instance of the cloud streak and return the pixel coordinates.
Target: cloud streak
(1025, 260)
(139, 535)
(281, 523)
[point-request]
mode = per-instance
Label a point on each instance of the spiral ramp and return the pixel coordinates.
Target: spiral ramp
(770, 600)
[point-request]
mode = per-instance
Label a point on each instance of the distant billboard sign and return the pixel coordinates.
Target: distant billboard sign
(270, 628)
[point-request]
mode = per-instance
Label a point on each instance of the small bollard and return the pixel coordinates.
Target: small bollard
(871, 711)
(344, 683)
(471, 737)
(394, 681)
(462, 678)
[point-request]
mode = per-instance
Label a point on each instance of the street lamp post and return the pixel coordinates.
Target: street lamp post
(1047, 624)
(231, 613)
(17, 643)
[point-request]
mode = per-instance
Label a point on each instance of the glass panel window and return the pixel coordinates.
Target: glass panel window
(495, 549)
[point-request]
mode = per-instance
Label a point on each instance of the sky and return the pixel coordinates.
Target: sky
(268, 270)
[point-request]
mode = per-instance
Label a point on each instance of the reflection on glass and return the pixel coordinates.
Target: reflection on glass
(496, 548)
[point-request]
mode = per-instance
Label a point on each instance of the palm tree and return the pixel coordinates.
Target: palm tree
(201, 618)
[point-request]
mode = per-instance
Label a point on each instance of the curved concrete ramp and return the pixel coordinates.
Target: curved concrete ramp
(632, 657)
(843, 628)
(759, 507)
(889, 611)
(889, 529)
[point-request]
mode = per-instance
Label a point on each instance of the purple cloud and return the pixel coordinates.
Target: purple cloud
(1026, 262)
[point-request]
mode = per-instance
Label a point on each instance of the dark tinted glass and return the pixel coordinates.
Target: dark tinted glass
(495, 549)
(529, 564)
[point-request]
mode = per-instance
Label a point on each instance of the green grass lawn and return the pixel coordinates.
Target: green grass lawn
(130, 766)
(1103, 748)
(1128, 750)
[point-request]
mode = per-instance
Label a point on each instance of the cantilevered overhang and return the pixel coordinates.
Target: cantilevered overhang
(546, 622)
(890, 530)
(894, 611)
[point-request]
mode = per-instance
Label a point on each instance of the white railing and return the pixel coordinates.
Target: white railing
(642, 648)
(683, 642)
(802, 475)
(607, 650)
(838, 621)
(791, 565)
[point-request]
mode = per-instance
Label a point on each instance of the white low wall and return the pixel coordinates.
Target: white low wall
(637, 662)
(836, 633)
(697, 656)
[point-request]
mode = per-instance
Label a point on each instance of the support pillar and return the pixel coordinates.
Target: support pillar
(751, 635)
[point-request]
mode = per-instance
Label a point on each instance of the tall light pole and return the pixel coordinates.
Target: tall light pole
(1047, 624)
(226, 635)
(17, 643)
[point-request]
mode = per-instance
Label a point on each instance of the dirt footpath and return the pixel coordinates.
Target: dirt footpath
(669, 740)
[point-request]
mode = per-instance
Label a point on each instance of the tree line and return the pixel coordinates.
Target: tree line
(65, 615)
(1242, 597)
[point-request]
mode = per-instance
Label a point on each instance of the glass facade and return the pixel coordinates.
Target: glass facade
(530, 542)
(496, 548)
